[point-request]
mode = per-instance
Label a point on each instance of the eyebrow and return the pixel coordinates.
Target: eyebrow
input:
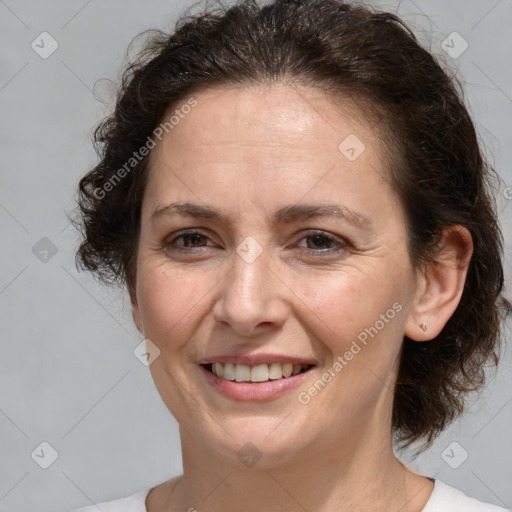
(287, 214)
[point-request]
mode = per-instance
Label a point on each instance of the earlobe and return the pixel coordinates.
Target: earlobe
(441, 286)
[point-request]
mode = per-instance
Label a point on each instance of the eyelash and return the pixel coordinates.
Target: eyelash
(341, 245)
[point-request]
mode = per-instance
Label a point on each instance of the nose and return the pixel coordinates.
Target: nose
(252, 298)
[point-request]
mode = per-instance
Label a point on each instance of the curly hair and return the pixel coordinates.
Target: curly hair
(439, 175)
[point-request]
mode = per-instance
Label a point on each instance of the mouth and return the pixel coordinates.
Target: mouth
(258, 373)
(256, 382)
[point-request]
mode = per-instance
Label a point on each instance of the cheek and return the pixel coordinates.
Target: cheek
(342, 304)
(170, 301)
(358, 321)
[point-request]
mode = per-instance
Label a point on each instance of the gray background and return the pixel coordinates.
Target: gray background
(68, 375)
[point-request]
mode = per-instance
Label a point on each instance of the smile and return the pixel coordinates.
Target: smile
(258, 373)
(259, 381)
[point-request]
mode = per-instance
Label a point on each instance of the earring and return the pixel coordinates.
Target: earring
(423, 327)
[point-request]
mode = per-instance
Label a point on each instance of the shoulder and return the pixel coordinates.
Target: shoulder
(134, 503)
(448, 499)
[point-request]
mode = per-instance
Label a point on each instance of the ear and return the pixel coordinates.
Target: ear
(440, 288)
(137, 320)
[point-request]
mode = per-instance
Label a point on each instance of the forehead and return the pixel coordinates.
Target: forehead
(270, 114)
(283, 121)
(264, 142)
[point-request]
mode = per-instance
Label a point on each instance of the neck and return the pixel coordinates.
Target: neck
(365, 475)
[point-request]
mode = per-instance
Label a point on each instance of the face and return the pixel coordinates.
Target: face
(271, 243)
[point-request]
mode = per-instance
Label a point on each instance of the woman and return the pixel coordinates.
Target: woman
(295, 198)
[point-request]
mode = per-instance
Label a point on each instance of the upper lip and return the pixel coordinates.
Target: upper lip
(256, 359)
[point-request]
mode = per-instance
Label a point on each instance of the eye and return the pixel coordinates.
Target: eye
(192, 239)
(318, 243)
(321, 243)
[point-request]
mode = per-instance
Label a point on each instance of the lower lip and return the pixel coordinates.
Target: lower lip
(255, 391)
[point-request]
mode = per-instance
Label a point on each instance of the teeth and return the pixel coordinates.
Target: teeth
(259, 373)
(287, 369)
(229, 371)
(219, 369)
(242, 373)
(275, 371)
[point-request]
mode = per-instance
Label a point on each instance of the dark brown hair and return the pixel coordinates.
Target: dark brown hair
(351, 51)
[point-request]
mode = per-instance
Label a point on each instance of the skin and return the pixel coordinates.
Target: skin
(249, 152)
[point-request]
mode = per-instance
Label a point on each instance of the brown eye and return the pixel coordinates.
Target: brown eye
(191, 240)
(317, 241)
(321, 243)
